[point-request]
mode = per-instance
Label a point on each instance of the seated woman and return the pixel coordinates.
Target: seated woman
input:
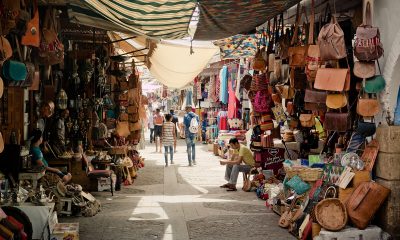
(38, 159)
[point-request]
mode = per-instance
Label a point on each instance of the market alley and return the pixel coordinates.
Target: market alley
(180, 202)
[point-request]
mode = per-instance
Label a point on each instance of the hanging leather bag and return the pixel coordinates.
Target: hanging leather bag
(259, 62)
(307, 120)
(336, 100)
(367, 45)
(313, 55)
(364, 202)
(375, 84)
(368, 107)
(283, 42)
(339, 122)
(366, 129)
(333, 79)
(297, 54)
(298, 78)
(364, 69)
(51, 50)
(6, 51)
(315, 100)
(32, 34)
(122, 129)
(331, 41)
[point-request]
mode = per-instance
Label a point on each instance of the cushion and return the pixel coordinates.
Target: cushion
(99, 173)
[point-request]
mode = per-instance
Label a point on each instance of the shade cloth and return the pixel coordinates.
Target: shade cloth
(174, 66)
(167, 19)
(223, 18)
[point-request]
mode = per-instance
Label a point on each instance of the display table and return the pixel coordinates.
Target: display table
(39, 217)
(34, 177)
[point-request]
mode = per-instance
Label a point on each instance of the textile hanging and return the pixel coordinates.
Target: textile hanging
(223, 95)
(238, 46)
(223, 18)
(167, 19)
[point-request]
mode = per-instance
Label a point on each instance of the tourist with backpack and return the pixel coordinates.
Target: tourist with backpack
(191, 122)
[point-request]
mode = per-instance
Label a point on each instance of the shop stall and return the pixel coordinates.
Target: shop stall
(82, 93)
(306, 89)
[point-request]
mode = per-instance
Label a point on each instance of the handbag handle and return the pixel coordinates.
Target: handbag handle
(368, 15)
(299, 15)
(329, 189)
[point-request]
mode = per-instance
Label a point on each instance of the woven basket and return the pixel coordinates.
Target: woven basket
(331, 214)
(306, 174)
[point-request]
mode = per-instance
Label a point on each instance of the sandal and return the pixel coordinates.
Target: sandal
(226, 185)
(231, 189)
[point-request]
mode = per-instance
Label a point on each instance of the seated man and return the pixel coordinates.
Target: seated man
(234, 165)
(38, 159)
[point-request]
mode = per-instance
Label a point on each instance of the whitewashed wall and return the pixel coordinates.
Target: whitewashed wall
(387, 18)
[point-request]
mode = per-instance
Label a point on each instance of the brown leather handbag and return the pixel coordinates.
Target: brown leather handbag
(307, 120)
(336, 100)
(297, 54)
(313, 56)
(333, 79)
(364, 202)
(331, 41)
(122, 129)
(339, 122)
(367, 45)
(364, 69)
(315, 100)
(259, 62)
(298, 78)
(368, 107)
(286, 91)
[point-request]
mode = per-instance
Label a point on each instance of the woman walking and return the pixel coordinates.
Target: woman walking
(168, 138)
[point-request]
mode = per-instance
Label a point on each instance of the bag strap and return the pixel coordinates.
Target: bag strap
(312, 23)
(368, 15)
(296, 30)
(330, 189)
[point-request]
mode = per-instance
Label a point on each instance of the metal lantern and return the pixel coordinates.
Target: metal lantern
(62, 100)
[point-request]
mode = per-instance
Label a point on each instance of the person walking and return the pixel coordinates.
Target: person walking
(242, 161)
(191, 122)
(168, 138)
(175, 121)
(151, 125)
(158, 120)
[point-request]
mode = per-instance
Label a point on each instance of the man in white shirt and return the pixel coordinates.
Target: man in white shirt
(151, 125)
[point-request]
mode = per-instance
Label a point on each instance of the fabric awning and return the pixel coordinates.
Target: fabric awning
(174, 66)
(224, 18)
(166, 19)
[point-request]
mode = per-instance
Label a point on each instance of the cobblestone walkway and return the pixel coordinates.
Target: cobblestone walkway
(180, 202)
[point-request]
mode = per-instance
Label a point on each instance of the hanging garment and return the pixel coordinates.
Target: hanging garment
(189, 98)
(212, 89)
(233, 103)
(198, 88)
(217, 88)
(223, 97)
(222, 120)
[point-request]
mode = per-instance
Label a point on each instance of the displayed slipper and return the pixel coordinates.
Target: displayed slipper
(226, 185)
(231, 189)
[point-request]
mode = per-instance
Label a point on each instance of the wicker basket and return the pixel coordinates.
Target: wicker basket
(331, 214)
(306, 174)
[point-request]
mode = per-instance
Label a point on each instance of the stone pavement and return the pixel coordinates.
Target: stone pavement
(180, 202)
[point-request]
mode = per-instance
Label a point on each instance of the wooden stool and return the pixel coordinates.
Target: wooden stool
(66, 206)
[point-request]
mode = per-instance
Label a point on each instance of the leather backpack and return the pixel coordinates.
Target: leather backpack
(297, 53)
(331, 41)
(313, 53)
(367, 45)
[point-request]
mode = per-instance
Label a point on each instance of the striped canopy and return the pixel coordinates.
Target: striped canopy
(167, 19)
(224, 18)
